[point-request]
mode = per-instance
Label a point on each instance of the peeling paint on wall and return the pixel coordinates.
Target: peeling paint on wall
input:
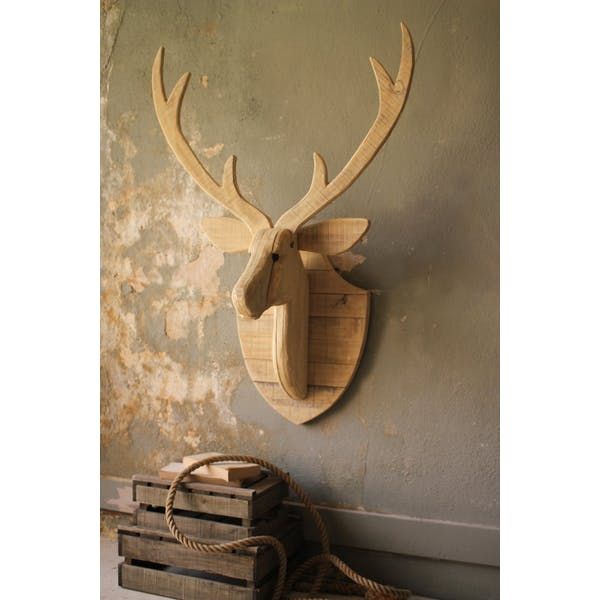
(213, 150)
(160, 282)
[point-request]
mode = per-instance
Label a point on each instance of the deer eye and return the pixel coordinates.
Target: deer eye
(275, 257)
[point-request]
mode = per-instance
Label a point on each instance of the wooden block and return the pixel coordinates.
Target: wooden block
(170, 471)
(225, 471)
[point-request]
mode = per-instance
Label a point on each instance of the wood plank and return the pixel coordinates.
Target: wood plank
(337, 330)
(319, 352)
(171, 471)
(338, 305)
(183, 586)
(172, 553)
(319, 399)
(198, 528)
(329, 326)
(225, 471)
(208, 530)
(289, 533)
(319, 374)
(215, 505)
(166, 535)
(336, 353)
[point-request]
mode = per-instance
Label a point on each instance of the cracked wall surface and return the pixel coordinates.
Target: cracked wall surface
(417, 431)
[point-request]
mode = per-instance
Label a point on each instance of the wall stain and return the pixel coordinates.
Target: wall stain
(159, 283)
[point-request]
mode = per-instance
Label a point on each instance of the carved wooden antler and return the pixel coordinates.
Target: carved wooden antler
(392, 96)
(168, 113)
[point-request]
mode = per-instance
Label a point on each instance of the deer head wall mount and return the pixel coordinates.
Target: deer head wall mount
(302, 327)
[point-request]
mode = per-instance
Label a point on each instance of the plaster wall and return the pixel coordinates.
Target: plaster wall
(417, 432)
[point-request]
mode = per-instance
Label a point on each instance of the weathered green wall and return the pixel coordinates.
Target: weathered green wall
(417, 432)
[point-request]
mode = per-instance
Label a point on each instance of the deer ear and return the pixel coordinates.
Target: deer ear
(332, 236)
(230, 235)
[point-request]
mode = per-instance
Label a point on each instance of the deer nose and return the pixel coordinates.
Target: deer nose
(249, 299)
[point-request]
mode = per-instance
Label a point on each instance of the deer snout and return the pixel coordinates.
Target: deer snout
(249, 295)
(249, 301)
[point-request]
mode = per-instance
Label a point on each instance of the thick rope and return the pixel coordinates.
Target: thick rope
(373, 589)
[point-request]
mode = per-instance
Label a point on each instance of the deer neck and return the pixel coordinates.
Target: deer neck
(290, 337)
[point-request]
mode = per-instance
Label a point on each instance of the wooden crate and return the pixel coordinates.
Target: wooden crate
(156, 563)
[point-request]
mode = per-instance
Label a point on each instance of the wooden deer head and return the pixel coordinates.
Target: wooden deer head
(302, 327)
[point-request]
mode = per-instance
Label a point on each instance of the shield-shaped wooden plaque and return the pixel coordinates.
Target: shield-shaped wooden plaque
(338, 322)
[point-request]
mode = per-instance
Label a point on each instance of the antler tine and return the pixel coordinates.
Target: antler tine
(392, 96)
(168, 112)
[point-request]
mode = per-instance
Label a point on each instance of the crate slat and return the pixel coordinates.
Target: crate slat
(239, 492)
(174, 554)
(184, 586)
(242, 503)
(215, 505)
(208, 530)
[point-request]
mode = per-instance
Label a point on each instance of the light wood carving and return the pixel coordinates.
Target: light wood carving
(302, 327)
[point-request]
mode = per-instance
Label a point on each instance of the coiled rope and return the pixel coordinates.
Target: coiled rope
(372, 589)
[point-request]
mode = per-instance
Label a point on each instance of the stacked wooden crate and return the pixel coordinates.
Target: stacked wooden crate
(156, 563)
